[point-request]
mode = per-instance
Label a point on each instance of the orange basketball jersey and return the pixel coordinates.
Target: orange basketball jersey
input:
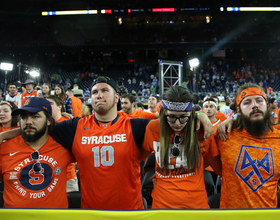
(24, 188)
(26, 95)
(108, 156)
(138, 114)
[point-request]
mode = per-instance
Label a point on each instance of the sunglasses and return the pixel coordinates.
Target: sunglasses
(175, 151)
(37, 167)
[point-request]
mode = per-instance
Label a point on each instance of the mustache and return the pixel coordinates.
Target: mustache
(256, 111)
(28, 127)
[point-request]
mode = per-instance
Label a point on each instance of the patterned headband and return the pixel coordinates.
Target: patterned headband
(177, 106)
(5, 102)
(249, 92)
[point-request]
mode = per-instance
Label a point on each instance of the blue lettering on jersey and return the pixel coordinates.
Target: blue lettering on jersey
(255, 172)
(32, 181)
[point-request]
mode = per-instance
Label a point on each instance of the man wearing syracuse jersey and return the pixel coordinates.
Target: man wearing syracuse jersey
(128, 107)
(107, 148)
(57, 105)
(178, 153)
(33, 166)
(30, 92)
(251, 154)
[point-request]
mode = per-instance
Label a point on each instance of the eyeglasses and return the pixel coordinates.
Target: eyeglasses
(175, 151)
(37, 167)
(173, 118)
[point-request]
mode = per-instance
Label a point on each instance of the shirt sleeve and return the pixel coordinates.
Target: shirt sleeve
(209, 147)
(138, 130)
(64, 132)
(149, 139)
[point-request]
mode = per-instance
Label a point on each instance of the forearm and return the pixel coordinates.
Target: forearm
(6, 135)
(215, 163)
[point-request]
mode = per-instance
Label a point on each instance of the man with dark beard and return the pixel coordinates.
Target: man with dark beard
(251, 155)
(33, 166)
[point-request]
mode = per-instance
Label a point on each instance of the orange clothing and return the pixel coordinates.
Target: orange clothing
(178, 186)
(251, 169)
(77, 106)
(138, 114)
(108, 155)
(219, 115)
(26, 95)
(71, 170)
(159, 106)
(26, 189)
(63, 118)
(215, 125)
(154, 112)
(269, 89)
(2, 129)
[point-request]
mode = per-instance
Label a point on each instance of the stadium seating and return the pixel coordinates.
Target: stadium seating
(147, 187)
(74, 199)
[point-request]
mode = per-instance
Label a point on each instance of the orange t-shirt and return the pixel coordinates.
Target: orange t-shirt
(71, 170)
(251, 170)
(138, 114)
(178, 187)
(215, 125)
(218, 115)
(159, 106)
(77, 106)
(26, 189)
(2, 129)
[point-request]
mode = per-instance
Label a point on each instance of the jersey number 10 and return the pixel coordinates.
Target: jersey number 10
(105, 155)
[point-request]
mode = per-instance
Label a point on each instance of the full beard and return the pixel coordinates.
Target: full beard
(256, 127)
(33, 137)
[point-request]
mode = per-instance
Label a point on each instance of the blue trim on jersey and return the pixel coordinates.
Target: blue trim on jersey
(64, 132)
(138, 127)
(113, 122)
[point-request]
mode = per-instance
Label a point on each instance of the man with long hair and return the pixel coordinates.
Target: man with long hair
(250, 155)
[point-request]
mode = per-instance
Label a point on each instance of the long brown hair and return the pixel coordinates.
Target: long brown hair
(13, 107)
(190, 139)
(62, 94)
(238, 123)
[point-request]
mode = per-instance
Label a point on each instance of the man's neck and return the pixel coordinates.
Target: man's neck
(57, 117)
(212, 118)
(12, 94)
(30, 90)
(108, 116)
(36, 145)
(153, 109)
(131, 111)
